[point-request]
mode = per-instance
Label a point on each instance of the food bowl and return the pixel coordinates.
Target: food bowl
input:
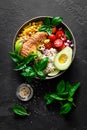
(61, 26)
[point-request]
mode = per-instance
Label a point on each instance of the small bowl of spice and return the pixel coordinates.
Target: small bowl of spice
(24, 92)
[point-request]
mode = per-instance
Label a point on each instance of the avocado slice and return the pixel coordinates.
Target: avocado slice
(53, 73)
(63, 59)
(18, 45)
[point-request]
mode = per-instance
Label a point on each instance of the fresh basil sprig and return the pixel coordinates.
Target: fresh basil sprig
(64, 95)
(20, 110)
(49, 23)
(15, 57)
(68, 34)
(28, 70)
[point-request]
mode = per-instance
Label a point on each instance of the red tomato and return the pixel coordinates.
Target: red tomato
(60, 33)
(52, 37)
(48, 45)
(58, 43)
(54, 29)
(61, 47)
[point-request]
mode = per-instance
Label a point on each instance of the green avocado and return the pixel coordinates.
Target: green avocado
(53, 73)
(63, 59)
(18, 45)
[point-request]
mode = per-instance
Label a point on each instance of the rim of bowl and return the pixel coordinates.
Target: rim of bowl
(42, 17)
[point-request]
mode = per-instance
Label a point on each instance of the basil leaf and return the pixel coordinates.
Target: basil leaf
(15, 57)
(63, 94)
(68, 86)
(73, 89)
(61, 87)
(48, 99)
(41, 65)
(45, 28)
(41, 74)
(70, 99)
(28, 72)
(19, 110)
(20, 66)
(56, 21)
(47, 21)
(68, 34)
(49, 30)
(28, 59)
(65, 108)
(56, 97)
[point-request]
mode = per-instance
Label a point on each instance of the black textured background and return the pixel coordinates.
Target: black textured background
(13, 13)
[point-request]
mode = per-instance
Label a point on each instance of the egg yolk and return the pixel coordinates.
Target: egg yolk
(63, 58)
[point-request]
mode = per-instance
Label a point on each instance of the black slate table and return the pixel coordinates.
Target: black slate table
(13, 13)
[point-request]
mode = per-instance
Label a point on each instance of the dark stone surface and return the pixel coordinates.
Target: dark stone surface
(13, 13)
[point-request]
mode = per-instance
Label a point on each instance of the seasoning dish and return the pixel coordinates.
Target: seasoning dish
(24, 92)
(53, 44)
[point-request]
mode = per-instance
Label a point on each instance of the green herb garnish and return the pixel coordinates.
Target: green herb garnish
(68, 34)
(26, 69)
(20, 110)
(49, 23)
(64, 95)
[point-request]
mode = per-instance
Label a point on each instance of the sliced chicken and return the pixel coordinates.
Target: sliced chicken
(32, 43)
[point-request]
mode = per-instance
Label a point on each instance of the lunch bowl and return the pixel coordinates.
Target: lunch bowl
(68, 43)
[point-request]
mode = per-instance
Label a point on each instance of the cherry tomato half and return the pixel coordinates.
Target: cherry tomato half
(61, 47)
(52, 37)
(60, 33)
(58, 43)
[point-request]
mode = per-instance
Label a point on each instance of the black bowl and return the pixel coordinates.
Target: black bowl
(42, 18)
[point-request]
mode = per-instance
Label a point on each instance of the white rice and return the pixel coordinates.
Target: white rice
(51, 53)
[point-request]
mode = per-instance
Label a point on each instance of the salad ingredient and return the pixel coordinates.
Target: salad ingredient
(18, 45)
(52, 37)
(24, 63)
(48, 45)
(64, 38)
(68, 34)
(49, 23)
(62, 95)
(53, 73)
(54, 29)
(41, 65)
(50, 53)
(47, 40)
(16, 57)
(30, 29)
(58, 43)
(27, 70)
(20, 110)
(61, 47)
(56, 21)
(63, 59)
(60, 33)
(31, 44)
(37, 55)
